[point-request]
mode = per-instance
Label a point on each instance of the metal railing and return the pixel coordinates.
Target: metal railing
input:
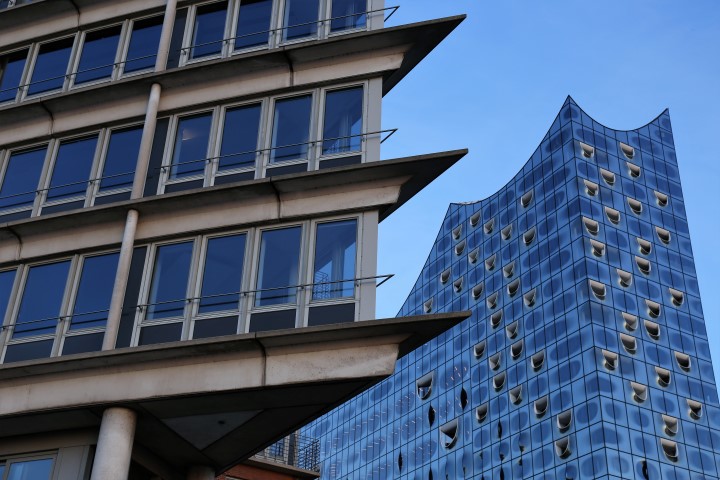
(295, 450)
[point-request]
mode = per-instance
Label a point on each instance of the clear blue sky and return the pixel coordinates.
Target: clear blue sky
(495, 85)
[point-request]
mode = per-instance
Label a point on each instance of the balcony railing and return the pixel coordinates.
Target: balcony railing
(294, 450)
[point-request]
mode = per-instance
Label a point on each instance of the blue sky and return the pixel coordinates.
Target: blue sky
(496, 84)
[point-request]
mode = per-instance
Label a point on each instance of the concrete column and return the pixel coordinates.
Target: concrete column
(200, 472)
(166, 36)
(121, 278)
(114, 447)
(146, 142)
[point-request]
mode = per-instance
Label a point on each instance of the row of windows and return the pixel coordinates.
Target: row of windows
(196, 288)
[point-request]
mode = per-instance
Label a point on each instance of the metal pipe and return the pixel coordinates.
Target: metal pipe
(146, 142)
(166, 36)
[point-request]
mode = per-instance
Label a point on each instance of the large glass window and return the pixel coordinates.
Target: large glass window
(222, 273)
(11, 70)
(22, 176)
(98, 55)
(301, 18)
(335, 246)
(253, 25)
(120, 158)
(92, 300)
(143, 47)
(343, 120)
(191, 145)
(72, 168)
(41, 299)
(168, 289)
(30, 469)
(278, 266)
(240, 137)
(291, 129)
(209, 30)
(348, 14)
(51, 66)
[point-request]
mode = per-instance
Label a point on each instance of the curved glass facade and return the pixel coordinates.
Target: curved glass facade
(586, 354)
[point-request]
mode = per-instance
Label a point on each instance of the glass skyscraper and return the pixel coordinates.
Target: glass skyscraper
(586, 355)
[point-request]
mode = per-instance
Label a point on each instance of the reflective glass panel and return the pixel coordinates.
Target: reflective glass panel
(348, 14)
(22, 176)
(11, 70)
(98, 55)
(291, 129)
(209, 30)
(343, 121)
(7, 278)
(335, 245)
(2, 467)
(253, 23)
(46, 282)
(240, 137)
(31, 470)
(168, 290)
(191, 145)
(143, 47)
(222, 273)
(94, 291)
(301, 18)
(51, 66)
(122, 153)
(72, 168)
(278, 266)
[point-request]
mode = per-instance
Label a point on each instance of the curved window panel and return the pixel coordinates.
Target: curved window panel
(587, 150)
(348, 14)
(676, 296)
(506, 232)
(208, 30)
(635, 206)
(300, 18)
(627, 150)
(496, 319)
(191, 145)
(516, 349)
(624, 278)
(509, 269)
(481, 413)
(610, 359)
(450, 433)
(51, 66)
(653, 329)
(12, 66)
(222, 273)
(612, 215)
(515, 394)
(460, 248)
(72, 168)
(643, 265)
(427, 306)
(526, 199)
(669, 449)
(608, 176)
(633, 170)
(630, 322)
(491, 300)
(253, 25)
(541, 406)
(598, 289)
(240, 137)
(591, 226)
(343, 121)
(591, 188)
(120, 159)
(695, 409)
(653, 308)
(598, 248)
(639, 392)
(47, 282)
(94, 291)
(629, 342)
(98, 55)
(424, 384)
(564, 420)
(475, 219)
(278, 267)
(513, 287)
(663, 235)
(477, 291)
(670, 425)
(478, 350)
(168, 289)
(562, 447)
(537, 360)
(530, 297)
(291, 129)
(334, 272)
(644, 246)
(21, 179)
(143, 46)
(457, 232)
(489, 226)
(473, 256)
(662, 199)
(682, 359)
(458, 284)
(445, 276)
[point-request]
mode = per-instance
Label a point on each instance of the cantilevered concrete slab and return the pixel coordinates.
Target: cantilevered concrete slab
(214, 401)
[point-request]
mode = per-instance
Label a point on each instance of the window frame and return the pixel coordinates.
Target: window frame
(5, 163)
(267, 146)
(189, 33)
(321, 122)
(32, 63)
(9, 460)
(79, 47)
(124, 46)
(23, 76)
(103, 148)
(220, 131)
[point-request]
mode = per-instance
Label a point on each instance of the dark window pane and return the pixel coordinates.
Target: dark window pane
(191, 145)
(347, 14)
(143, 47)
(301, 18)
(273, 320)
(31, 470)
(7, 278)
(11, 70)
(50, 66)
(169, 283)
(91, 342)
(335, 245)
(28, 351)
(343, 121)
(222, 273)
(72, 168)
(94, 291)
(170, 332)
(120, 159)
(209, 30)
(291, 129)
(45, 282)
(253, 23)
(278, 266)
(215, 327)
(240, 137)
(22, 177)
(98, 55)
(331, 314)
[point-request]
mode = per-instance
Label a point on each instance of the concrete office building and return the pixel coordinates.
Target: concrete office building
(190, 193)
(586, 355)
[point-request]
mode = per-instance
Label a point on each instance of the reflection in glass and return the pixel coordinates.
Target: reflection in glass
(209, 30)
(98, 55)
(335, 244)
(7, 278)
(343, 121)
(222, 273)
(291, 127)
(31, 470)
(348, 14)
(22, 177)
(94, 291)
(278, 266)
(253, 23)
(144, 42)
(168, 290)
(301, 18)
(240, 137)
(48, 283)
(72, 168)
(122, 153)
(11, 70)
(191, 145)
(50, 66)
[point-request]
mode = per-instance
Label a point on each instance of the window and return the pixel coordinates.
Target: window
(143, 45)
(278, 266)
(168, 288)
(97, 60)
(300, 18)
(222, 273)
(27, 469)
(208, 30)
(92, 301)
(335, 252)
(21, 178)
(45, 281)
(253, 23)
(51, 66)
(120, 158)
(291, 129)
(239, 146)
(71, 171)
(12, 67)
(343, 121)
(348, 14)
(191, 145)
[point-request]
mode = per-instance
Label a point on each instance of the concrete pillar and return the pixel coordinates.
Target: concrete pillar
(114, 447)
(146, 141)
(166, 36)
(200, 472)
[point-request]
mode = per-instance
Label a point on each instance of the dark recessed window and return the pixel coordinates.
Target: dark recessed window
(343, 121)
(143, 47)
(253, 24)
(300, 18)
(51, 66)
(334, 272)
(222, 273)
(11, 70)
(94, 291)
(278, 266)
(208, 30)
(48, 283)
(122, 153)
(240, 137)
(168, 289)
(191, 145)
(98, 55)
(21, 179)
(72, 167)
(291, 129)
(348, 14)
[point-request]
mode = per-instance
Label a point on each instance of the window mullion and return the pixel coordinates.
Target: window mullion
(46, 175)
(68, 298)
(193, 278)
